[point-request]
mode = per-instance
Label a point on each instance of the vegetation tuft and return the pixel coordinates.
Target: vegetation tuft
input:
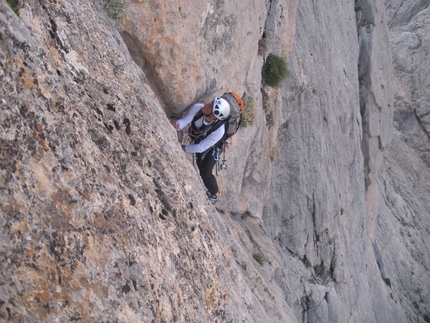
(388, 282)
(320, 270)
(306, 262)
(259, 257)
(274, 71)
(267, 107)
(114, 8)
(14, 6)
(273, 154)
(262, 46)
(248, 114)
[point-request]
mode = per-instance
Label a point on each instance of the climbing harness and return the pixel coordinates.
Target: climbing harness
(218, 154)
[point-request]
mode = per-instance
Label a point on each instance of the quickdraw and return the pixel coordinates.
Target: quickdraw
(217, 152)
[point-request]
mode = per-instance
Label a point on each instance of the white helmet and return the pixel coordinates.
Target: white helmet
(221, 108)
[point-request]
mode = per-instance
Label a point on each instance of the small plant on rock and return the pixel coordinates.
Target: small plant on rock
(248, 114)
(262, 46)
(306, 262)
(274, 71)
(320, 270)
(273, 153)
(259, 257)
(14, 6)
(388, 282)
(267, 107)
(114, 8)
(266, 99)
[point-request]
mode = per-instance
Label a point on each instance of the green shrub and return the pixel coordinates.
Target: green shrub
(320, 270)
(388, 282)
(266, 99)
(258, 257)
(13, 5)
(274, 71)
(114, 8)
(306, 262)
(248, 114)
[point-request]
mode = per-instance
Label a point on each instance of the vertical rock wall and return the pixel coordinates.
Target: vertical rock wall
(409, 32)
(336, 205)
(376, 84)
(104, 218)
(197, 49)
(401, 227)
(316, 212)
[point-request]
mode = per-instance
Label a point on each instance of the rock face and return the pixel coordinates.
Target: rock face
(198, 41)
(104, 219)
(410, 38)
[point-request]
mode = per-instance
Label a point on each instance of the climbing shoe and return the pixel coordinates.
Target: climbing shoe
(212, 198)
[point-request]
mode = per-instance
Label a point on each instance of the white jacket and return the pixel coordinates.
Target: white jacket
(210, 140)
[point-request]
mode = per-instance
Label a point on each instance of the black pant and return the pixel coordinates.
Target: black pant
(206, 167)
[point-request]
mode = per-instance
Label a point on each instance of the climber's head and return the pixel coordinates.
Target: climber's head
(220, 109)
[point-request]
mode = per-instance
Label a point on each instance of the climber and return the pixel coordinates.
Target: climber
(206, 131)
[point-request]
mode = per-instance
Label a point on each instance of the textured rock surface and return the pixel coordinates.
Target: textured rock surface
(200, 42)
(317, 211)
(103, 218)
(410, 38)
(402, 229)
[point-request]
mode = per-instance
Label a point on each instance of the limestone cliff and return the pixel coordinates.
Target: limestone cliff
(104, 218)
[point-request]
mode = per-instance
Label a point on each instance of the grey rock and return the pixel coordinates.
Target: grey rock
(409, 41)
(104, 218)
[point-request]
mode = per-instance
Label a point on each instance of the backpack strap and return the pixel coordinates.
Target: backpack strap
(198, 135)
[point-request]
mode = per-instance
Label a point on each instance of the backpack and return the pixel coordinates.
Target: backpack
(232, 124)
(234, 119)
